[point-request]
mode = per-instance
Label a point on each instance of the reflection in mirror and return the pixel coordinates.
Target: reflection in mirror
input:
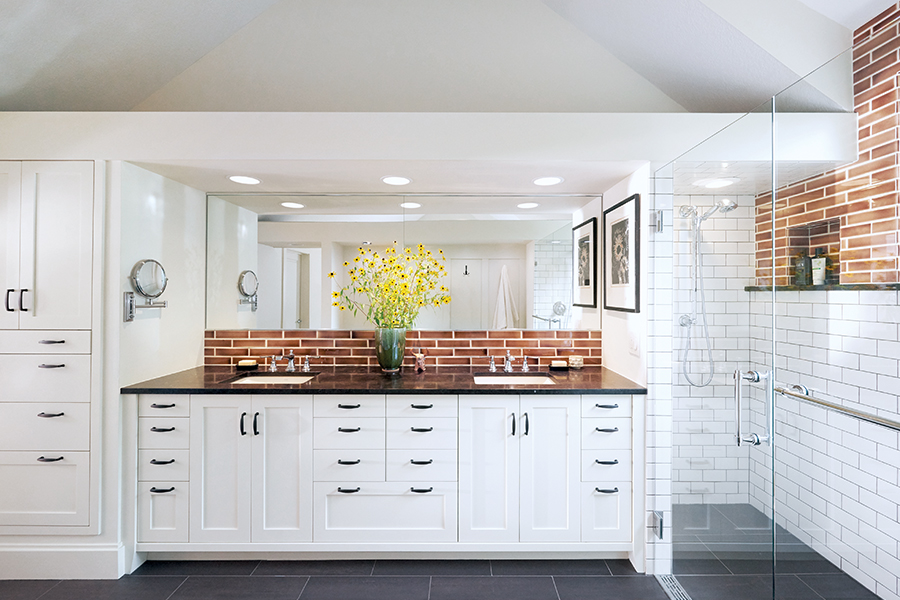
(248, 283)
(149, 278)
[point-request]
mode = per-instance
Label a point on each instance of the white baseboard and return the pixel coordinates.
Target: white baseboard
(60, 562)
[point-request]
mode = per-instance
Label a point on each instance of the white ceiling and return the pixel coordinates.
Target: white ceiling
(852, 14)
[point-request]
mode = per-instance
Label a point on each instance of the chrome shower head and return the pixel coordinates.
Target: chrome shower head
(724, 205)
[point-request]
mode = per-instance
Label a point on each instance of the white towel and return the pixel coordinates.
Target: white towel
(505, 315)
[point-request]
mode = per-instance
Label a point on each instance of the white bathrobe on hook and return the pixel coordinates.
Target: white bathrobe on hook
(505, 314)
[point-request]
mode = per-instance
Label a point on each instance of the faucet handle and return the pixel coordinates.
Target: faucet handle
(493, 367)
(306, 364)
(525, 368)
(272, 363)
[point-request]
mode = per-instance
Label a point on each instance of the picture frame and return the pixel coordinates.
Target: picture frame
(584, 247)
(622, 256)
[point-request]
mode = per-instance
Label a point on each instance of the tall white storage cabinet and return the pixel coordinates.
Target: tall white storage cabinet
(47, 375)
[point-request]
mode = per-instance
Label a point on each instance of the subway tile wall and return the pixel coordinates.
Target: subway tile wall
(552, 279)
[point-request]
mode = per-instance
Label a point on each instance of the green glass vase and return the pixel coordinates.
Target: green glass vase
(390, 344)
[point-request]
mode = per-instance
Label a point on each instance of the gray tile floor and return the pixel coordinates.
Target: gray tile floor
(357, 580)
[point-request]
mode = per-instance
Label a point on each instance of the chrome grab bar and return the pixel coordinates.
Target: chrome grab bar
(739, 378)
(850, 412)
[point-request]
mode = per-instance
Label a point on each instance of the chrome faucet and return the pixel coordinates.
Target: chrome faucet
(273, 366)
(525, 368)
(507, 363)
(291, 366)
(305, 367)
(493, 367)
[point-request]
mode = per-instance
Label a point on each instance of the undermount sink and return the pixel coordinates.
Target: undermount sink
(513, 379)
(280, 379)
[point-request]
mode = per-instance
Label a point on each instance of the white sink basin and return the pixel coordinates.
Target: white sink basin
(513, 380)
(274, 379)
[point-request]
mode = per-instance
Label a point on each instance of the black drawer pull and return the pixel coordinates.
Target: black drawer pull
(525, 418)
(154, 405)
(607, 462)
(43, 366)
(514, 424)
(349, 406)
(348, 490)
(349, 462)
(50, 415)
(349, 429)
(22, 300)
(51, 341)
(607, 429)
(255, 423)
(154, 490)
(162, 429)
(612, 491)
(153, 461)
(421, 462)
(8, 292)
(422, 406)
(42, 459)
(243, 429)
(421, 490)
(421, 429)
(607, 406)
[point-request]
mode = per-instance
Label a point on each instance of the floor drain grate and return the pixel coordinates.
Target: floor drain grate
(672, 588)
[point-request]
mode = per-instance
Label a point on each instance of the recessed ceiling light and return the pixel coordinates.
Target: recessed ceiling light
(716, 182)
(396, 180)
(410, 205)
(555, 242)
(528, 205)
(548, 180)
(292, 205)
(244, 179)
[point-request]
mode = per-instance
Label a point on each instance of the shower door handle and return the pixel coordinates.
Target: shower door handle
(739, 378)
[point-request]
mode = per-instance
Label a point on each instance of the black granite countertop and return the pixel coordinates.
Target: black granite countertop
(370, 380)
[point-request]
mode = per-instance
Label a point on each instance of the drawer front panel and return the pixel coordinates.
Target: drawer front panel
(164, 405)
(164, 433)
(606, 406)
(592, 470)
(163, 516)
(349, 406)
(342, 465)
(605, 434)
(45, 378)
(421, 465)
(45, 342)
(25, 430)
(348, 432)
(163, 465)
(46, 493)
(421, 406)
(422, 432)
(606, 514)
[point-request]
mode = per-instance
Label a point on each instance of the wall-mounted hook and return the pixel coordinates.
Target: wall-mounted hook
(466, 272)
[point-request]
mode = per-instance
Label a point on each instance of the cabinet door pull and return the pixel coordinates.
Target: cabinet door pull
(513, 415)
(349, 429)
(525, 418)
(243, 430)
(349, 462)
(8, 292)
(348, 490)
(421, 462)
(162, 429)
(421, 490)
(50, 415)
(154, 405)
(255, 423)
(349, 406)
(607, 462)
(51, 341)
(421, 429)
(45, 366)
(155, 490)
(22, 300)
(42, 459)
(607, 406)
(422, 406)
(607, 429)
(153, 461)
(612, 491)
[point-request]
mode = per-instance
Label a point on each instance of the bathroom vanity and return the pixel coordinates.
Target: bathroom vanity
(353, 461)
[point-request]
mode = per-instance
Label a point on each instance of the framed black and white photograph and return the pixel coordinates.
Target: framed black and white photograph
(621, 256)
(584, 243)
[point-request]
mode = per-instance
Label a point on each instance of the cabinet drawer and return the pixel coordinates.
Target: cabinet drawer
(422, 432)
(40, 378)
(164, 405)
(164, 433)
(348, 432)
(45, 342)
(162, 514)
(163, 465)
(348, 465)
(419, 406)
(603, 434)
(606, 406)
(421, 465)
(24, 429)
(606, 512)
(348, 406)
(385, 512)
(45, 493)
(606, 465)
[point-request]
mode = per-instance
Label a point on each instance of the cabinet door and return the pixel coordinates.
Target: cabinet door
(282, 469)
(550, 469)
(489, 468)
(220, 468)
(56, 251)
(45, 489)
(10, 192)
(162, 511)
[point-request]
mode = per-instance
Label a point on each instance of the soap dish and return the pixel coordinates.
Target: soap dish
(565, 368)
(247, 365)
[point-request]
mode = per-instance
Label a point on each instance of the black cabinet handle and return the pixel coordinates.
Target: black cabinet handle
(607, 429)
(421, 490)
(243, 416)
(8, 292)
(50, 415)
(154, 490)
(608, 406)
(421, 462)
(348, 490)
(607, 462)
(42, 459)
(421, 429)
(45, 366)
(349, 429)
(153, 461)
(349, 406)
(162, 429)
(514, 424)
(422, 406)
(612, 491)
(349, 462)
(51, 341)
(255, 423)
(22, 300)
(525, 418)
(162, 405)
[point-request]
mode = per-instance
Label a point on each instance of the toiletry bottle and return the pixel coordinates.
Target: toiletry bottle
(818, 267)
(802, 269)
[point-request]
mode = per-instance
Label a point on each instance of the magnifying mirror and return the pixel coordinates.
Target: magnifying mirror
(149, 278)
(248, 283)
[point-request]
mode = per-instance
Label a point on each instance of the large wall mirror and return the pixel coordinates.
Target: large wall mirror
(292, 242)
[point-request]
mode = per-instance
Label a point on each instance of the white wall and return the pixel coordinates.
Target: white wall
(231, 248)
(268, 314)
